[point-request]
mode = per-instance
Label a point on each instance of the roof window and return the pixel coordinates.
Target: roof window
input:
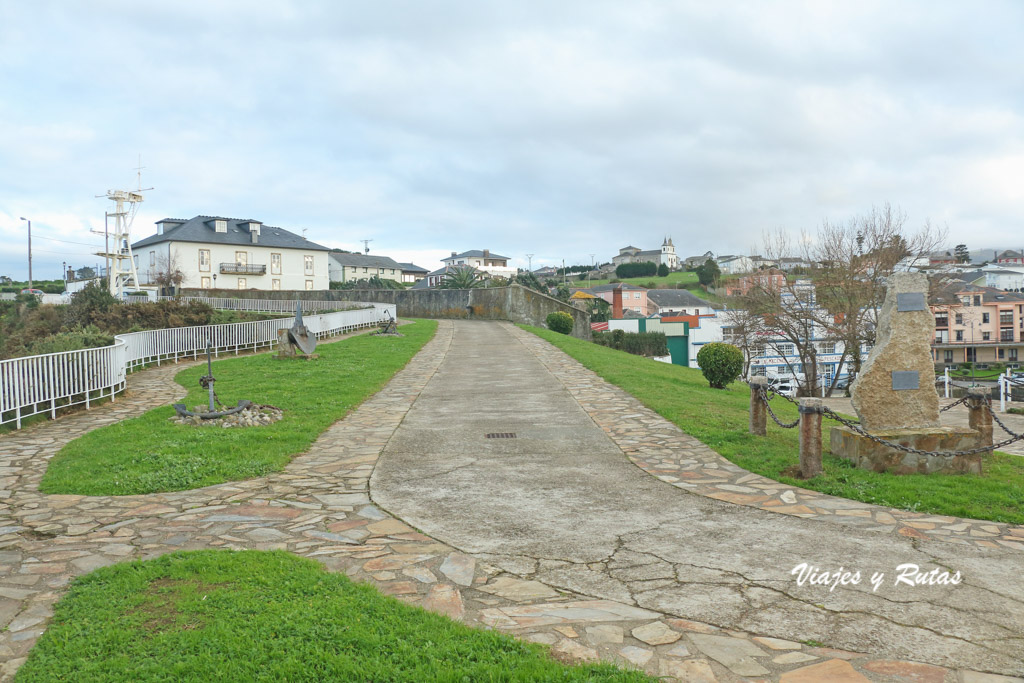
(220, 225)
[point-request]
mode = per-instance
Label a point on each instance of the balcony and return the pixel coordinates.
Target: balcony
(242, 269)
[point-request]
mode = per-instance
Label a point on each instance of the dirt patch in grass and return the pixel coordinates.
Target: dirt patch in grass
(165, 604)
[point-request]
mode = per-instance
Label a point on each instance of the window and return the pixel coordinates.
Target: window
(636, 295)
(204, 282)
(1006, 317)
(275, 264)
(941, 320)
(366, 270)
(827, 347)
(757, 351)
(242, 258)
(757, 371)
(1013, 355)
(972, 354)
(204, 260)
(785, 349)
(977, 300)
(947, 356)
(220, 226)
(309, 266)
(959, 318)
(152, 258)
(1006, 335)
(275, 284)
(241, 283)
(1001, 354)
(309, 284)
(985, 336)
(984, 318)
(959, 335)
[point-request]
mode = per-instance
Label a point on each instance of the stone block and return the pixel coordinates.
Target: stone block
(869, 455)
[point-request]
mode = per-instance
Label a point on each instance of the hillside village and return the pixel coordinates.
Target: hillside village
(978, 298)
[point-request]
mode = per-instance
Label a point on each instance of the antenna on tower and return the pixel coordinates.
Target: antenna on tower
(529, 258)
(366, 246)
(120, 261)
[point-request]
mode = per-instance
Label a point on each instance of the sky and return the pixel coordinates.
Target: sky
(561, 130)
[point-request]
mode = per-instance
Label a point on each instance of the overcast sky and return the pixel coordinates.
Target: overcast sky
(559, 129)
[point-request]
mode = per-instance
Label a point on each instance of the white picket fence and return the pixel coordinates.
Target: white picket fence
(32, 385)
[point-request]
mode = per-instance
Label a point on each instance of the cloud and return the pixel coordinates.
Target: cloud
(559, 130)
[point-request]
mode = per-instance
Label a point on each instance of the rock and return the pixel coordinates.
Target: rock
(834, 671)
(903, 344)
(604, 633)
(736, 654)
(655, 633)
(691, 671)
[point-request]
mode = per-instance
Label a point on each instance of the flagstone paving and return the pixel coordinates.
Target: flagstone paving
(320, 506)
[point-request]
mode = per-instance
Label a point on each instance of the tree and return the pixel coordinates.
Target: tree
(642, 269)
(720, 363)
(663, 270)
(167, 273)
(530, 281)
(841, 300)
(600, 310)
(962, 253)
(708, 273)
(5, 280)
(85, 273)
(461, 277)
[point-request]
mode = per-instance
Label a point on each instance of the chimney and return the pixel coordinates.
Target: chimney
(487, 253)
(454, 254)
(255, 236)
(617, 302)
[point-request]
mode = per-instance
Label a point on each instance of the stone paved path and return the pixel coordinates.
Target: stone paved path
(320, 507)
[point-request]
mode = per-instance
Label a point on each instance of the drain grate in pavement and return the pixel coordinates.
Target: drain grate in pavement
(500, 435)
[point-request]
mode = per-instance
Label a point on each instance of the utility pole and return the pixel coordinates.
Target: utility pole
(29, 250)
(563, 272)
(591, 269)
(529, 258)
(366, 246)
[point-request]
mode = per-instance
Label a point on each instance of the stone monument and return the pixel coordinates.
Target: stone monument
(895, 397)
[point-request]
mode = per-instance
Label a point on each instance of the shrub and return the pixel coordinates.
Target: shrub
(643, 269)
(720, 363)
(663, 270)
(637, 343)
(559, 321)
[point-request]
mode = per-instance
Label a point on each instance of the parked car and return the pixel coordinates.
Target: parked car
(785, 389)
(37, 292)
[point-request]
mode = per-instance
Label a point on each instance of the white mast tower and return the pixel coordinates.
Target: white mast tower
(121, 271)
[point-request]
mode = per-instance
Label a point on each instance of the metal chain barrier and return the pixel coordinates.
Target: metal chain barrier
(954, 404)
(907, 449)
(767, 404)
(995, 418)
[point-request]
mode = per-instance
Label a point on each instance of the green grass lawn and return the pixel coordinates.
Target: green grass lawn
(670, 280)
(719, 418)
(149, 453)
(217, 615)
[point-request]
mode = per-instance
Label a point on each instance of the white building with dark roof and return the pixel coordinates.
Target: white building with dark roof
(666, 255)
(345, 267)
(483, 260)
(230, 253)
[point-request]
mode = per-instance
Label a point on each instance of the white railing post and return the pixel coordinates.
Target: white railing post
(946, 377)
(1003, 386)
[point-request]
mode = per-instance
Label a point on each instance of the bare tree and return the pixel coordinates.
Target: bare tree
(167, 273)
(850, 264)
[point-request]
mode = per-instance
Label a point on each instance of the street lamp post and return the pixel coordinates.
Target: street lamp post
(29, 250)
(64, 274)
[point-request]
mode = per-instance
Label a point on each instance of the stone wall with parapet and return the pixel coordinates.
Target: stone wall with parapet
(516, 303)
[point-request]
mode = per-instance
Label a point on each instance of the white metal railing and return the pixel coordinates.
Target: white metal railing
(32, 385)
(272, 305)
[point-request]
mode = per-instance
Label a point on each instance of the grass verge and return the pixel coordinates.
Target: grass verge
(149, 453)
(719, 419)
(216, 615)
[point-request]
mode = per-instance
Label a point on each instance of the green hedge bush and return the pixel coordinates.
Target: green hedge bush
(559, 321)
(721, 363)
(643, 269)
(637, 343)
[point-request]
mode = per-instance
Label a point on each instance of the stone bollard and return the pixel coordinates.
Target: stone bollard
(810, 437)
(758, 414)
(980, 416)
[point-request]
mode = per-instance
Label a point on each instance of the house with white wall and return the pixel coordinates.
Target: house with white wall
(213, 252)
(677, 302)
(346, 267)
(483, 260)
(731, 264)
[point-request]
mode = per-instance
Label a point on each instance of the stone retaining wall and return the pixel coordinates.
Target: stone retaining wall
(515, 303)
